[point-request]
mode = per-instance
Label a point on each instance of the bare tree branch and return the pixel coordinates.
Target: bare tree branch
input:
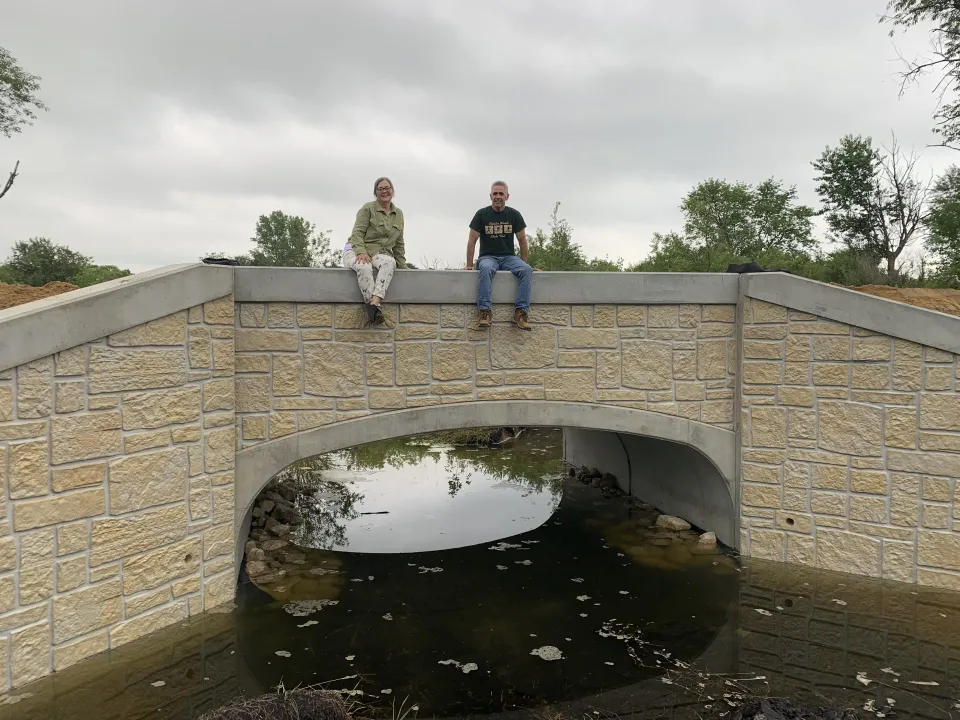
(9, 184)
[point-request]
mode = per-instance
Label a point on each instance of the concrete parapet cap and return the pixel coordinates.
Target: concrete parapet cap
(44, 327)
(889, 317)
(268, 284)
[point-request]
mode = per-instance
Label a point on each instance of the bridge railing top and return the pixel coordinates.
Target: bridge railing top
(896, 319)
(265, 284)
(44, 327)
(40, 328)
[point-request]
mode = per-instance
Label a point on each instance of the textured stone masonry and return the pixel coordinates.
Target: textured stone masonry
(117, 458)
(850, 449)
(306, 365)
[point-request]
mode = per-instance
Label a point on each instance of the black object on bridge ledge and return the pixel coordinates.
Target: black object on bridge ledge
(752, 267)
(220, 261)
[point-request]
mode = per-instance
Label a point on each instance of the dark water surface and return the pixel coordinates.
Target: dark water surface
(643, 621)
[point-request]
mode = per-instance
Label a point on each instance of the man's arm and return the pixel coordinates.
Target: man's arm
(524, 248)
(471, 247)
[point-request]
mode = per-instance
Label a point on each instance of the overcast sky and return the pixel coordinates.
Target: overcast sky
(173, 125)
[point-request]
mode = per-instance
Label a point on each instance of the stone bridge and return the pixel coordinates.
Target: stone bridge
(139, 418)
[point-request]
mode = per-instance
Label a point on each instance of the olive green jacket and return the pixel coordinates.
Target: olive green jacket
(377, 231)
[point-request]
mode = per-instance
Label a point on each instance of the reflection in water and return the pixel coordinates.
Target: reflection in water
(590, 612)
(410, 496)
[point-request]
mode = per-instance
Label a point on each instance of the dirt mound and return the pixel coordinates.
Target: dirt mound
(11, 295)
(945, 301)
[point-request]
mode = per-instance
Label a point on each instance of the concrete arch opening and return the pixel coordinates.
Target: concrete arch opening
(683, 467)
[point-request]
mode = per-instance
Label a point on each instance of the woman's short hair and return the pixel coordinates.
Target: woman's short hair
(380, 180)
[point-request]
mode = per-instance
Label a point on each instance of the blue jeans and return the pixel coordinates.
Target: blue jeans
(488, 265)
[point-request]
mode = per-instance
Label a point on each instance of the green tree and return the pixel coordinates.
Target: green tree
(556, 250)
(745, 220)
(728, 223)
(38, 261)
(95, 274)
(873, 201)
(17, 103)
(943, 227)
(282, 240)
(943, 18)
(17, 95)
(290, 241)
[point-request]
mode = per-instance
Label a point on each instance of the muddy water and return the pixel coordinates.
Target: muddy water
(592, 611)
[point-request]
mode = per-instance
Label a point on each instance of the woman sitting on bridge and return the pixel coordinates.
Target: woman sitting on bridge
(376, 246)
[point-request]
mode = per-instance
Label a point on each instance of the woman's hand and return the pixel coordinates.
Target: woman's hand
(363, 258)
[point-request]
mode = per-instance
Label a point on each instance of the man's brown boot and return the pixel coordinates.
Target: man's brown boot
(520, 318)
(483, 319)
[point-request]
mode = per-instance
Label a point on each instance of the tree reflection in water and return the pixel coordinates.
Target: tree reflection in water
(328, 505)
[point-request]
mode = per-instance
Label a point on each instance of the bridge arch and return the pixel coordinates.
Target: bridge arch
(682, 466)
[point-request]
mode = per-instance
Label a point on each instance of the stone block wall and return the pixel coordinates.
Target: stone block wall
(303, 365)
(850, 449)
(117, 461)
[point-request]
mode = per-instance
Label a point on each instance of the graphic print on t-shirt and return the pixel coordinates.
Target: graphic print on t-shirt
(497, 230)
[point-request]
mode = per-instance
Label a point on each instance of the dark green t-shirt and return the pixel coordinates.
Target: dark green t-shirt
(497, 229)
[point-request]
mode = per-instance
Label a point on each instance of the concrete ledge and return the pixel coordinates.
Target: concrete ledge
(43, 327)
(257, 464)
(926, 327)
(262, 284)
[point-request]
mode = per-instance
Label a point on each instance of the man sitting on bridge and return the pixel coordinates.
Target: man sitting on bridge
(495, 226)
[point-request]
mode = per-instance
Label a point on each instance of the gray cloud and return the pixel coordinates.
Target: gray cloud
(174, 125)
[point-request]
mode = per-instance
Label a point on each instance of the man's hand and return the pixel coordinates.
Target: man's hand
(363, 258)
(469, 267)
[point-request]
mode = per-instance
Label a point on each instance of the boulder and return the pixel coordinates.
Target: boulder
(274, 544)
(669, 522)
(266, 506)
(708, 539)
(256, 553)
(279, 529)
(256, 568)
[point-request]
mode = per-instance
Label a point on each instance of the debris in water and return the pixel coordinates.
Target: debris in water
(430, 569)
(838, 602)
(388, 616)
(523, 562)
(469, 667)
(282, 653)
(356, 579)
(349, 658)
(308, 623)
(624, 592)
(533, 635)
(928, 683)
(862, 678)
(577, 580)
(530, 542)
(503, 546)
(501, 567)
(323, 571)
(583, 598)
(302, 608)
(547, 652)
(583, 614)
(369, 577)
(763, 612)
(158, 683)
(386, 691)
(608, 663)
(666, 681)
(890, 671)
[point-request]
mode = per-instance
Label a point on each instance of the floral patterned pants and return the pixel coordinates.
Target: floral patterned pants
(383, 264)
